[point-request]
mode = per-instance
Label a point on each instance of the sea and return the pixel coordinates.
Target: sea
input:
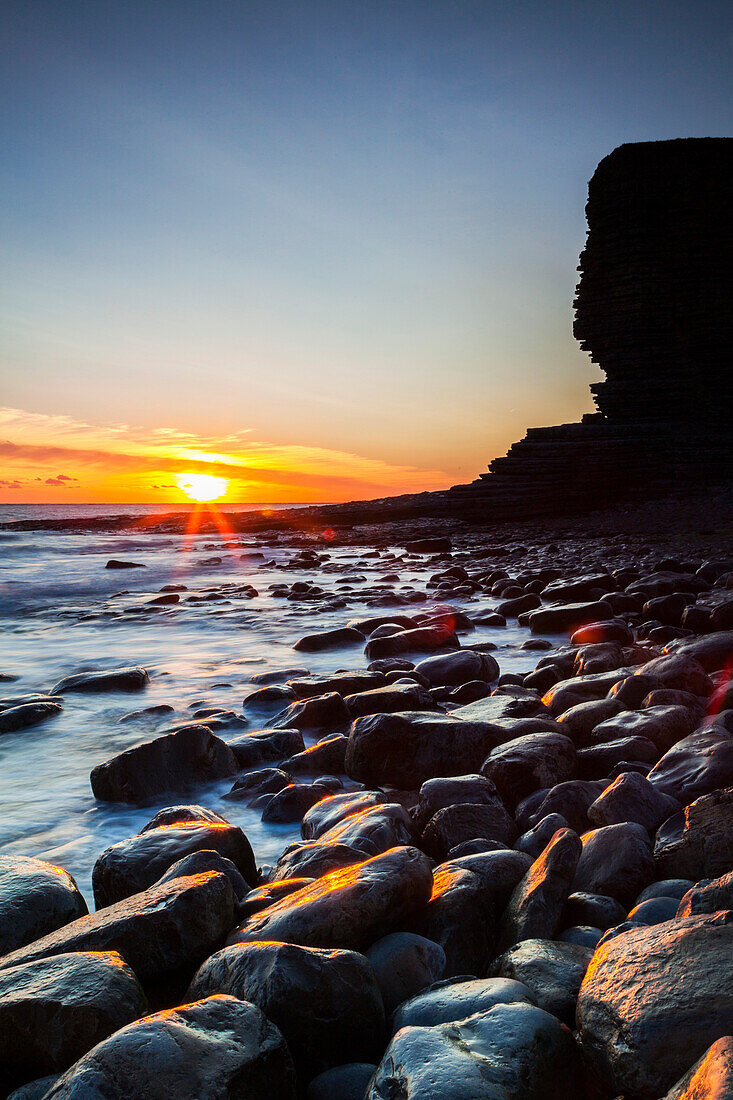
(62, 612)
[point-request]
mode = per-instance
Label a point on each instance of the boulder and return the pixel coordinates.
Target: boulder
(654, 999)
(550, 969)
(173, 762)
(198, 863)
(322, 712)
(460, 918)
(511, 1050)
(712, 651)
(330, 811)
(597, 761)
(663, 726)
(373, 830)
(500, 706)
(387, 700)
(570, 799)
(436, 794)
(27, 714)
(216, 1049)
(35, 898)
(326, 1003)
(403, 750)
(326, 757)
(289, 804)
(579, 721)
(616, 861)
(329, 639)
(54, 1010)
(423, 639)
(347, 1082)
(537, 902)
(131, 865)
(345, 683)
(313, 859)
(631, 797)
(528, 763)
(707, 896)
(459, 667)
(569, 617)
(581, 689)
(453, 825)
(675, 670)
(349, 908)
(266, 746)
(454, 999)
(405, 964)
(536, 839)
(697, 842)
(696, 765)
(116, 679)
(159, 933)
(711, 1077)
(594, 910)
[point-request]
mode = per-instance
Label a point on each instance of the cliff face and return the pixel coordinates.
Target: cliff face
(654, 309)
(654, 305)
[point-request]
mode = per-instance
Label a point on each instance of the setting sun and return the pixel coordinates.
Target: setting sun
(202, 487)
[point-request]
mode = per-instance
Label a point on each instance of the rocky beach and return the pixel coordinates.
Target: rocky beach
(447, 810)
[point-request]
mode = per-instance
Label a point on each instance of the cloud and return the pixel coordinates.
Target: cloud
(15, 484)
(65, 477)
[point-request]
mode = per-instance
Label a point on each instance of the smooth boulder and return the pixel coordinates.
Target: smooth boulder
(35, 898)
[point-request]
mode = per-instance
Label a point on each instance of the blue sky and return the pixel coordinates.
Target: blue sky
(345, 226)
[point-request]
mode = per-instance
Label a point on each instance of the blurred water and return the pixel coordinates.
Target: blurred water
(62, 612)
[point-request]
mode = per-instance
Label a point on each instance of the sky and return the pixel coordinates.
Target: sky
(323, 249)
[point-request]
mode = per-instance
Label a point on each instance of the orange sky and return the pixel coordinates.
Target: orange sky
(56, 459)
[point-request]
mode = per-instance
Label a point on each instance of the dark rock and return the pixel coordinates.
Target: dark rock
(326, 1003)
(570, 800)
(262, 781)
(654, 911)
(347, 1082)
(596, 910)
(264, 896)
(314, 859)
(664, 726)
(708, 896)
(117, 679)
(292, 802)
(696, 765)
(631, 797)
(348, 908)
(198, 863)
(551, 970)
(330, 811)
(510, 1050)
(454, 999)
(498, 707)
(527, 763)
(404, 964)
(326, 757)
(453, 669)
(698, 842)
(435, 794)
(683, 673)
(177, 815)
(713, 651)
(35, 898)
(211, 1049)
(27, 715)
(267, 746)
(537, 903)
(345, 683)
(159, 933)
(132, 865)
(666, 888)
(616, 860)
(567, 618)
(423, 639)
(578, 722)
(115, 563)
(581, 936)
(711, 1077)
(326, 712)
(654, 1000)
(372, 830)
(429, 546)
(597, 761)
(536, 840)
(404, 750)
(388, 699)
(329, 639)
(54, 1010)
(453, 825)
(173, 762)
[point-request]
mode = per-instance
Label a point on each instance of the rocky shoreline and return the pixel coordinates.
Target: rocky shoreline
(507, 885)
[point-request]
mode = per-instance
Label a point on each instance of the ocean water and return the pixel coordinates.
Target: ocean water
(62, 612)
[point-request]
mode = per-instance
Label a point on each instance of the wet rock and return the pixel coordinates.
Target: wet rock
(212, 1049)
(597, 761)
(580, 721)
(293, 801)
(653, 911)
(596, 910)
(280, 675)
(711, 1077)
(372, 830)
(54, 1010)
(35, 898)
(267, 746)
(654, 1000)
(581, 689)
(322, 712)
(454, 999)
(664, 726)
(707, 896)
(27, 715)
(159, 933)
(696, 765)
(268, 701)
(404, 750)
(132, 865)
(666, 888)
(345, 683)
(500, 706)
(683, 673)
(536, 840)
(422, 639)
(698, 842)
(452, 825)
(173, 762)
(510, 1050)
(177, 815)
(34, 1090)
(117, 679)
(329, 639)
(315, 859)
(453, 669)
(348, 908)
(567, 618)
(347, 1082)
(326, 1003)
(326, 757)
(387, 700)
(330, 811)
(264, 896)
(712, 651)
(611, 630)
(616, 860)
(529, 763)
(582, 936)
(631, 797)
(198, 863)
(115, 563)
(262, 781)
(551, 970)
(570, 800)
(404, 964)
(537, 903)
(435, 794)
(429, 546)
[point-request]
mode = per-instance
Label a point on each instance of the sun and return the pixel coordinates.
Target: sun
(202, 487)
